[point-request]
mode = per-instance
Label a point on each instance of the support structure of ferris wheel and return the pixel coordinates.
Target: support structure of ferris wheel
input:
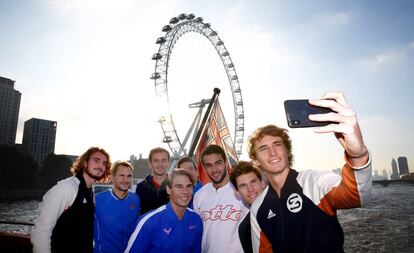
(177, 27)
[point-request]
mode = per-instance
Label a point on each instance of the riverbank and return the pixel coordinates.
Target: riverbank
(393, 182)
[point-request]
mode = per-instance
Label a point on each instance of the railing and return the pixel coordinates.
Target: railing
(16, 241)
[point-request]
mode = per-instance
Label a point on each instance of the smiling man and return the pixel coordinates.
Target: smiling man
(218, 205)
(152, 190)
(249, 184)
(117, 211)
(297, 212)
(171, 228)
(65, 223)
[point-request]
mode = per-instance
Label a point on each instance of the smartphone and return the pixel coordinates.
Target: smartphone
(297, 113)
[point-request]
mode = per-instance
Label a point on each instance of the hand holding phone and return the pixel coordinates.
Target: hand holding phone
(297, 113)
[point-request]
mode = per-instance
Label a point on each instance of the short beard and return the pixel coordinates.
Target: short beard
(221, 179)
(92, 176)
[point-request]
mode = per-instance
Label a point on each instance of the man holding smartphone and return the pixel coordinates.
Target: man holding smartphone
(297, 212)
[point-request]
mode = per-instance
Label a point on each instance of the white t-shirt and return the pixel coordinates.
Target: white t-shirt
(221, 212)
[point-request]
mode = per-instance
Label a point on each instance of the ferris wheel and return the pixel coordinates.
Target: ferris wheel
(178, 26)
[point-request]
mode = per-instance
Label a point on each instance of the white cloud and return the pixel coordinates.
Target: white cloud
(85, 8)
(381, 59)
(388, 57)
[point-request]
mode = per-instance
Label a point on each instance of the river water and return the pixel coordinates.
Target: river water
(386, 224)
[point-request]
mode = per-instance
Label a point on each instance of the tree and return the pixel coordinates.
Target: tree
(55, 168)
(18, 169)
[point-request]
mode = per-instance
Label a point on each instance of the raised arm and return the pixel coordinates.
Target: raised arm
(346, 130)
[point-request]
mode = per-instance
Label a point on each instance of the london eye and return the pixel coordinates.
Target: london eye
(172, 45)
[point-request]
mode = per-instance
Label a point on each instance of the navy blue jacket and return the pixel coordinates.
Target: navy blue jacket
(150, 196)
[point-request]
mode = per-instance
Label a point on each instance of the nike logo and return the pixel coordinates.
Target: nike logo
(270, 214)
(167, 230)
(192, 227)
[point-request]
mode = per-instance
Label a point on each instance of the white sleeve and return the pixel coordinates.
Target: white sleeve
(196, 202)
(255, 230)
(59, 198)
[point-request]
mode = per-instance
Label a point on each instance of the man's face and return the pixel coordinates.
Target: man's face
(216, 169)
(123, 178)
(181, 191)
(96, 165)
(249, 186)
(271, 154)
(189, 166)
(159, 163)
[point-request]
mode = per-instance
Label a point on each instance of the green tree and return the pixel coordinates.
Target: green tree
(55, 168)
(18, 169)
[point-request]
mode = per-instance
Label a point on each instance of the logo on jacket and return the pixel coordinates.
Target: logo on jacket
(132, 206)
(167, 230)
(270, 214)
(192, 227)
(222, 213)
(294, 203)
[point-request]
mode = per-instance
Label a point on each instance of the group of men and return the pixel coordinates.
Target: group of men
(263, 205)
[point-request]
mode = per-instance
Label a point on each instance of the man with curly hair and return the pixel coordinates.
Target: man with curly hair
(65, 223)
(297, 211)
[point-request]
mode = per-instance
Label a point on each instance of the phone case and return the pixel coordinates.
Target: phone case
(297, 112)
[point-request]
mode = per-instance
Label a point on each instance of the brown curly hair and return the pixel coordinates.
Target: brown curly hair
(271, 130)
(78, 165)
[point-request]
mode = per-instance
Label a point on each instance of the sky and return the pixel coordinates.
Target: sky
(86, 64)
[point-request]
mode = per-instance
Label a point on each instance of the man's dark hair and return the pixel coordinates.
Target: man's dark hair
(242, 168)
(213, 149)
(186, 159)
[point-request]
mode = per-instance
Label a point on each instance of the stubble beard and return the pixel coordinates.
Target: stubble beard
(221, 179)
(91, 175)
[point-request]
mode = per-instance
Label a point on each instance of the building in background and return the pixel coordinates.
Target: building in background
(403, 165)
(39, 137)
(379, 177)
(385, 174)
(395, 175)
(140, 165)
(9, 111)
